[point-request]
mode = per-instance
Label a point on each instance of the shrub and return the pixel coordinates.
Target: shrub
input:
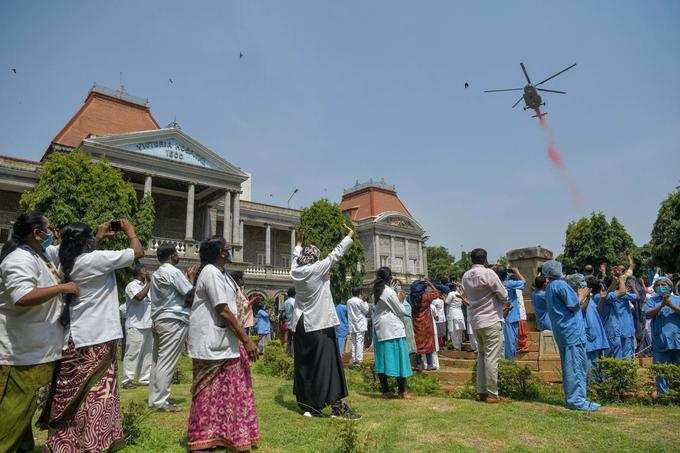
(180, 377)
(517, 382)
(671, 372)
(134, 416)
(615, 380)
(274, 361)
(420, 384)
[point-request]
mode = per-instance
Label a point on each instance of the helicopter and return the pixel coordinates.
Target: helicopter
(532, 100)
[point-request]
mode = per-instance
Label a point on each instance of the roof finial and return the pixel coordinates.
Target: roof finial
(121, 88)
(174, 124)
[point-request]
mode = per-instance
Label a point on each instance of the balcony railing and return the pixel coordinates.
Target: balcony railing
(186, 248)
(267, 272)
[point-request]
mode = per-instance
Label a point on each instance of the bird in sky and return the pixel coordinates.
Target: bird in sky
(13, 71)
(467, 85)
(171, 81)
(240, 55)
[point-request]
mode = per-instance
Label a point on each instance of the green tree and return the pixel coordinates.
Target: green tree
(439, 261)
(502, 261)
(322, 224)
(461, 266)
(73, 188)
(665, 243)
(593, 239)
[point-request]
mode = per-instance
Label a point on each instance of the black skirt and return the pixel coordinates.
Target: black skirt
(319, 378)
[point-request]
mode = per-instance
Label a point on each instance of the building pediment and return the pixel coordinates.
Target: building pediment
(170, 144)
(398, 220)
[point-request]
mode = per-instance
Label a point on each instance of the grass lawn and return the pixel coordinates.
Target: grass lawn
(427, 424)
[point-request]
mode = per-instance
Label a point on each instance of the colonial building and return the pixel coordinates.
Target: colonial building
(196, 192)
(387, 230)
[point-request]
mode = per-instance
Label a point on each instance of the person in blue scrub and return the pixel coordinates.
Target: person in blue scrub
(264, 327)
(342, 329)
(512, 281)
(568, 328)
(617, 316)
(664, 310)
(540, 306)
(596, 337)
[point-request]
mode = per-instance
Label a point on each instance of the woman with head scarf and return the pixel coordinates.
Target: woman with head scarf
(568, 326)
(31, 336)
(318, 379)
(222, 411)
(391, 349)
(83, 409)
(664, 310)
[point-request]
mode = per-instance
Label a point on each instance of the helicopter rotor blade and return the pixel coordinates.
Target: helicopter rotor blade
(525, 73)
(508, 89)
(555, 75)
(551, 91)
(518, 101)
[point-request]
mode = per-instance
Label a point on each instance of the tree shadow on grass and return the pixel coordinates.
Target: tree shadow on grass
(283, 402)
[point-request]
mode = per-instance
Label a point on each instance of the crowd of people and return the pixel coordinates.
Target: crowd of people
(60, 328)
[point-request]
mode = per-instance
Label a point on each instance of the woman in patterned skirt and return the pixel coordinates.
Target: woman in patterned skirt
(83, 410)
(223, 405)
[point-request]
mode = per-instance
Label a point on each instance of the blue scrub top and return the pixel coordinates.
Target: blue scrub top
(343, 328)
(263, 325)
(289, 308)
(511, 286)
(541, 310)
(665, 326)
(565, 314)
(617, 316)
(596, 337)
(408, 311)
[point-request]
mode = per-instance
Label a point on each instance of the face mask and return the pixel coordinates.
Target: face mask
(47, 241)
(662, 290)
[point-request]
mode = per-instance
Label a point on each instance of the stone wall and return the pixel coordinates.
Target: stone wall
(170, 216)
(9, 207)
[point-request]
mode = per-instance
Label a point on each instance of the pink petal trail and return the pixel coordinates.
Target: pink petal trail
(556, 157)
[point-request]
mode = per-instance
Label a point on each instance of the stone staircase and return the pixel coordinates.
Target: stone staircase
(456, 367)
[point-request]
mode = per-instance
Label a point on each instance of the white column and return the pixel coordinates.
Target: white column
(238, 229)
(376, 241)
(240, 235)
(392, 260)
(190, 212)
(268, 245)
(226, 217)
(147, 185)
(212, 215)
(420, 258)
(406, 257)
(292, 240)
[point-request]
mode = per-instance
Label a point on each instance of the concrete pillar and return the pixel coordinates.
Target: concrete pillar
(226, 226)
(268, 245)
(292, 240)
(212, 216)
(421, 269)
(376, 241)
(392, 260)
(240, 235)
(190, 212)
(238, 229)
(147, 185)
(406, 257)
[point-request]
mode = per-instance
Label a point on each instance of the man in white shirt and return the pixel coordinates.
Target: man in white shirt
(288, 311)
(357, 314)
(169, 323)
(440, 320)
(139, 339)
(487, 301)
(455, 320)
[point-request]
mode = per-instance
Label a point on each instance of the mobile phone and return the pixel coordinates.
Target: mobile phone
(115, 225)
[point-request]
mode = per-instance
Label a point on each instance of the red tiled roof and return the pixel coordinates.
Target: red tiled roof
(103, 114)
(370, 201)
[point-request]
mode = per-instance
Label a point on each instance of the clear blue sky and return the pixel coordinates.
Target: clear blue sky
(330, 92)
